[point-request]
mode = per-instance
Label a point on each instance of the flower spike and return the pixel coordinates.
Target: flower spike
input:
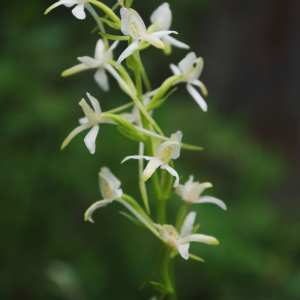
(191, 191)
(181, 241)
(164, 153)
(191, 74)
(133, 25)
(162, 17)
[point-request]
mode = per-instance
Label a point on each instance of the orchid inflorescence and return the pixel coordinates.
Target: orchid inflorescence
(139, 126)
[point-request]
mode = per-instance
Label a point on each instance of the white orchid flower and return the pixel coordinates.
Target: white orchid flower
(77, 11)
(191, 191)
(110, 190)
(191, 74)
(99, 62)
(162, 16)
(181, 241)
(133, 25)
(164, 153)
(91, 119)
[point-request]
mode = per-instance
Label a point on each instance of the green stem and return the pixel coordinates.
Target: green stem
(98, 21)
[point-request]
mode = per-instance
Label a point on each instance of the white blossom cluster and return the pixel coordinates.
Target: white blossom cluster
(139, 125)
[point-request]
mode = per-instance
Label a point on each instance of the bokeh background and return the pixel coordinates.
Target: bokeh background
(250, 135)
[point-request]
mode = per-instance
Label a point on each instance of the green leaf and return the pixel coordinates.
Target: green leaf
(196, 257)
(195, 229)
(191, 147)
(159, 287)
(132, 219)
(160, 102)
(166, 182)
(110, 23)
(164, 88)
(128, 3)
(115, 37)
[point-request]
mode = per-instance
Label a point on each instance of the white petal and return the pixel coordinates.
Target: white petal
(200, 85)
(162, 16)
(137, 157)
(184, 250)
(73, 133)
(151, 167)
(74, 70)
(208, 199)
(89, 61)
(198, 98)
(176, 43)
(70, 4)
(83, 120)
(188, 224)
(101, 78)
(186, 64)
(139, 24)
(200, 238)
(78, 11)
(153, 40)
(90, 114)
(96, 105)
(163, 33)
(92, 208)
(90, 139)
(175, 69)
(197, 71)
(115, 194)
(128, 51)
(106, 177)
(65, 2)
(172, 172)
(124, 17)
(100, 50)
(166, 232)
(109, 53)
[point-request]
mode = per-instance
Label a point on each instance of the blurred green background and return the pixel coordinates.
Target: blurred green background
(250, 135)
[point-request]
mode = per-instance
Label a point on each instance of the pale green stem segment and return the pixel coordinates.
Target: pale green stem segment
(136, 214)
(124, 75)
(142, 183)
(144, 74)
(107, 10)
(153, 134)
(110, 23)
(181, 215)
(115, 37)
(120, 108)
(141, 107)
(99, 22)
